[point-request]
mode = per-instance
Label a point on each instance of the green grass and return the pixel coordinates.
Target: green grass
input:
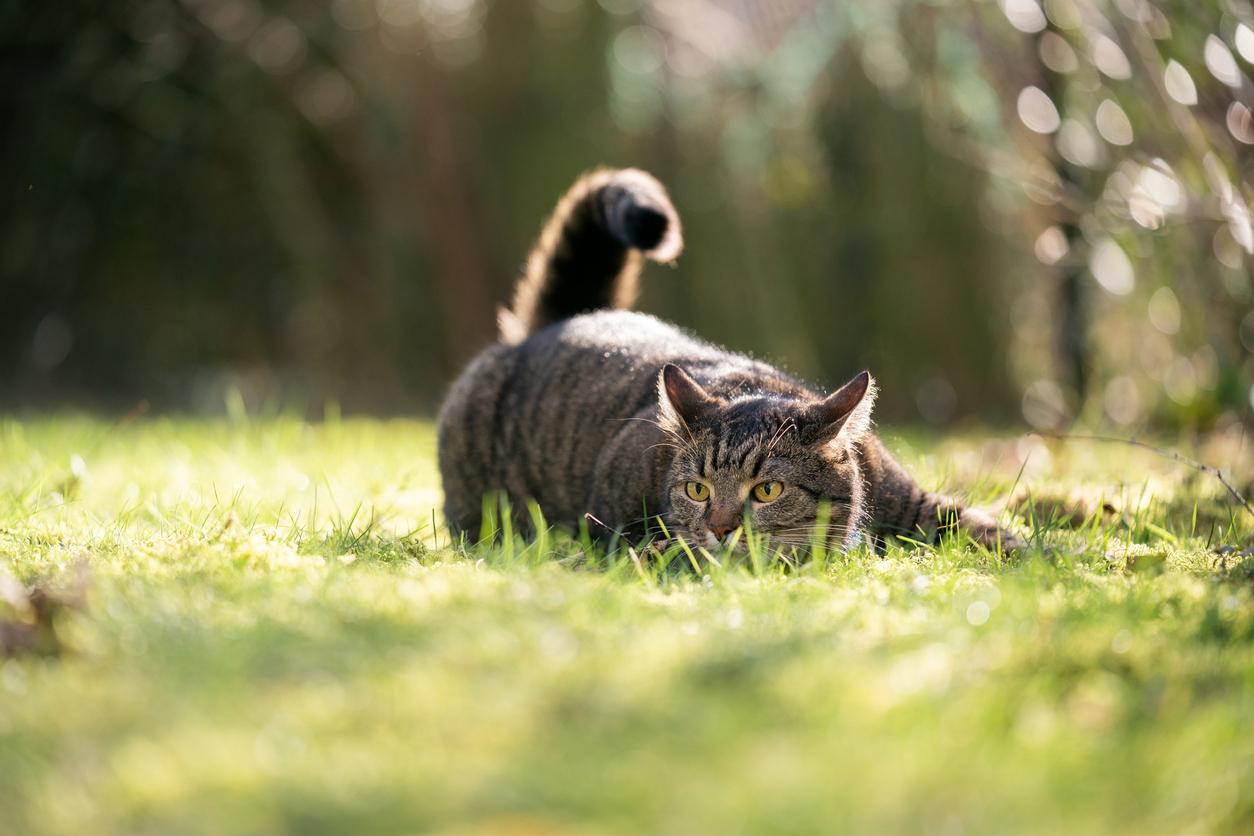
(276, 638)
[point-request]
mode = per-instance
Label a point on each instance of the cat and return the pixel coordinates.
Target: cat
(598, 413)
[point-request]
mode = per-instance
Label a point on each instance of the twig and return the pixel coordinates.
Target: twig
(1201, 467)
(590, 517)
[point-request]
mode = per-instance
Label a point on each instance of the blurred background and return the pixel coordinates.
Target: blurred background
(1010, 211)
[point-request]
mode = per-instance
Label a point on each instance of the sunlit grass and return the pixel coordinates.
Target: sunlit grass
(279, 637)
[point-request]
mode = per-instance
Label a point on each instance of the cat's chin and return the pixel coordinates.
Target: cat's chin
(740, 545)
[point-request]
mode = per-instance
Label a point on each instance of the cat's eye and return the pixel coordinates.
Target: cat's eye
(697, 491)
(767, 491)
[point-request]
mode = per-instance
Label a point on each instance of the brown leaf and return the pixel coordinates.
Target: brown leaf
(30, 627)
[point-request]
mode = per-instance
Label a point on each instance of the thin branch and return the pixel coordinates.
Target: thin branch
(1201, 467)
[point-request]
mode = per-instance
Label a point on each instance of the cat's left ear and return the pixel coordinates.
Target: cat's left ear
(681, 400)
(845, 413)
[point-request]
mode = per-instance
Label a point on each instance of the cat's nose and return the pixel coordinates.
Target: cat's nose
(722, 522)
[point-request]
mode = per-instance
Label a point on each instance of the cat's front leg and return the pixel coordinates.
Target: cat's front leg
(932, 517)
(901, 508)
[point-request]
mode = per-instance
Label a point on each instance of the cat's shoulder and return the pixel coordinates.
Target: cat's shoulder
(608, 325)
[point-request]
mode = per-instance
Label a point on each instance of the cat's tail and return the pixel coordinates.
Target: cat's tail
(591, 250)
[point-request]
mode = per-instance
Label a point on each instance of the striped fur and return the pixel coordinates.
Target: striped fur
(603, 414)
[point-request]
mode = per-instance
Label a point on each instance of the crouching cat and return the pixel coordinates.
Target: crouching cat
(588, 408)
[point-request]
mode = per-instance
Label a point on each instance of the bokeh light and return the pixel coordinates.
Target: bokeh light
(1037, 111)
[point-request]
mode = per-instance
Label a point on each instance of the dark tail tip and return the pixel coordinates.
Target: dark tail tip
(639, 214)
(644, 226)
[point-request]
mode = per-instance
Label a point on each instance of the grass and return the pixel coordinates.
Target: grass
(277, 638)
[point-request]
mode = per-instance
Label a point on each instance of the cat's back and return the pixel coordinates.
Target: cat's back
(619, 341)
(593, 348)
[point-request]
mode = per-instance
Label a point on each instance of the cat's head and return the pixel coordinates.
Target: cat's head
(779, 463)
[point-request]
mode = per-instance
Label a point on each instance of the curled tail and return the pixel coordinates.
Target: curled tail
(591, 250)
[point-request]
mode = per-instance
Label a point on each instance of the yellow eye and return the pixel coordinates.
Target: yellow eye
(697, 491)
(767, 491)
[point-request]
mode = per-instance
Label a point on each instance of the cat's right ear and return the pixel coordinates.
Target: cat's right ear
(846, 412)
(681, 400)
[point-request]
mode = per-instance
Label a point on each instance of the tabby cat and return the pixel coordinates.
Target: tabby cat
(600, 413)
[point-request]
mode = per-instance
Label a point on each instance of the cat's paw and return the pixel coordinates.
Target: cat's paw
(661, 544)
(984, 530)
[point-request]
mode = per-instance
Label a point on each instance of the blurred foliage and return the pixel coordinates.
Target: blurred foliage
(1004, 209)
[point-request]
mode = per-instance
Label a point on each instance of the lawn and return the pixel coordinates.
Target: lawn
(275, 636)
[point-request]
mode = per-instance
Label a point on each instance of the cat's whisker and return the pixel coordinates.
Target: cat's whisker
(802, 536)
(827, 527)
(665, 429)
